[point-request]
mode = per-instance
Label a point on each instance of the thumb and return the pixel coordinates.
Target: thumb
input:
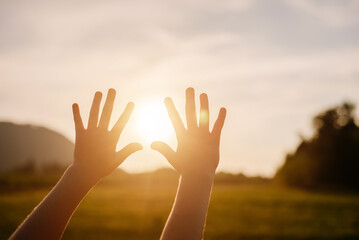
(167, 152)
(127, 151)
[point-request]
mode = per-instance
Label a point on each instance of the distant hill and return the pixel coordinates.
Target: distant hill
(20, 144)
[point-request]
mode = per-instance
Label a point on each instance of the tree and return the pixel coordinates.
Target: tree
(330, 158)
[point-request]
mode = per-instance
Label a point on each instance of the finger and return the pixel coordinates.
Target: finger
(167, 152)
(79, 126)
(190, 109)
(127, 151)
(174, 116)
(204, 112)
(122, 121)
(218, 125)
(93, 118)
(107, 109)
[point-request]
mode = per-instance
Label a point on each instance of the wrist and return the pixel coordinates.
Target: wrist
(202, 176)
(80, 177)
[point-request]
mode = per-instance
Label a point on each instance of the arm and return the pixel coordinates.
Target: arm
(196, 159)
(95, 157)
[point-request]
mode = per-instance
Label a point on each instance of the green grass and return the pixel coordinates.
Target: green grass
(137, 209)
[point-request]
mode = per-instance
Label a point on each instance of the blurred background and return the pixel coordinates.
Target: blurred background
(287, 72)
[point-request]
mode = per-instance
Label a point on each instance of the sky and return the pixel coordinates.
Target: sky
(272, 64)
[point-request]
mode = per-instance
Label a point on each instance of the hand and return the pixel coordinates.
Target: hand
(95, 153)
(197, 148)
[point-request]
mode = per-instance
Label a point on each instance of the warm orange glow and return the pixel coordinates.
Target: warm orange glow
(153, 122)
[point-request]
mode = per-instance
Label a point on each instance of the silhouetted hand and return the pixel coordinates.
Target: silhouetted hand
(95, 156)
(95, 147)
(198, 148)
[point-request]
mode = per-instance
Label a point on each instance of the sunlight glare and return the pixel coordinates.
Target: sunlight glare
(153, 122)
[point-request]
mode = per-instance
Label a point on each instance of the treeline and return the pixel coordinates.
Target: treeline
(27, 177)
(32, 166)
(330, 158)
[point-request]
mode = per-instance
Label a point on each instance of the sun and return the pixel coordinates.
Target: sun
(153, 122)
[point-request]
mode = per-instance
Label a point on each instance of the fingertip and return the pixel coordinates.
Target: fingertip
(137, 146)
(129, 108)
(111, 92)
(75, 106)
(190, 90)
(190, 93)
(167, 100)
(203, 97)
(98, 96)
(131, 105)
(222, 115)
(134, 147)
(128, 150)
(154, 144)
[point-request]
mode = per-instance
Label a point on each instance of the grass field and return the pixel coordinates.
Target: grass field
(137, 208)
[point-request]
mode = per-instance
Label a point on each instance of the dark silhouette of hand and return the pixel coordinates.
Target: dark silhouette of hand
(95, 147)
(198, 148)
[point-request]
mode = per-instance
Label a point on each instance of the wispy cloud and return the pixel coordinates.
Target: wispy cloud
(273, 64)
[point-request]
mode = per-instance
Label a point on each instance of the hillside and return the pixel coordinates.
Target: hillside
(20, 143)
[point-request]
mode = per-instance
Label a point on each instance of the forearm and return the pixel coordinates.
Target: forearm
(189, 212)
(49, 219)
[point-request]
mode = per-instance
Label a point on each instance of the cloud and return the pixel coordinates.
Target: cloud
(334, 13)
(273, 64)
